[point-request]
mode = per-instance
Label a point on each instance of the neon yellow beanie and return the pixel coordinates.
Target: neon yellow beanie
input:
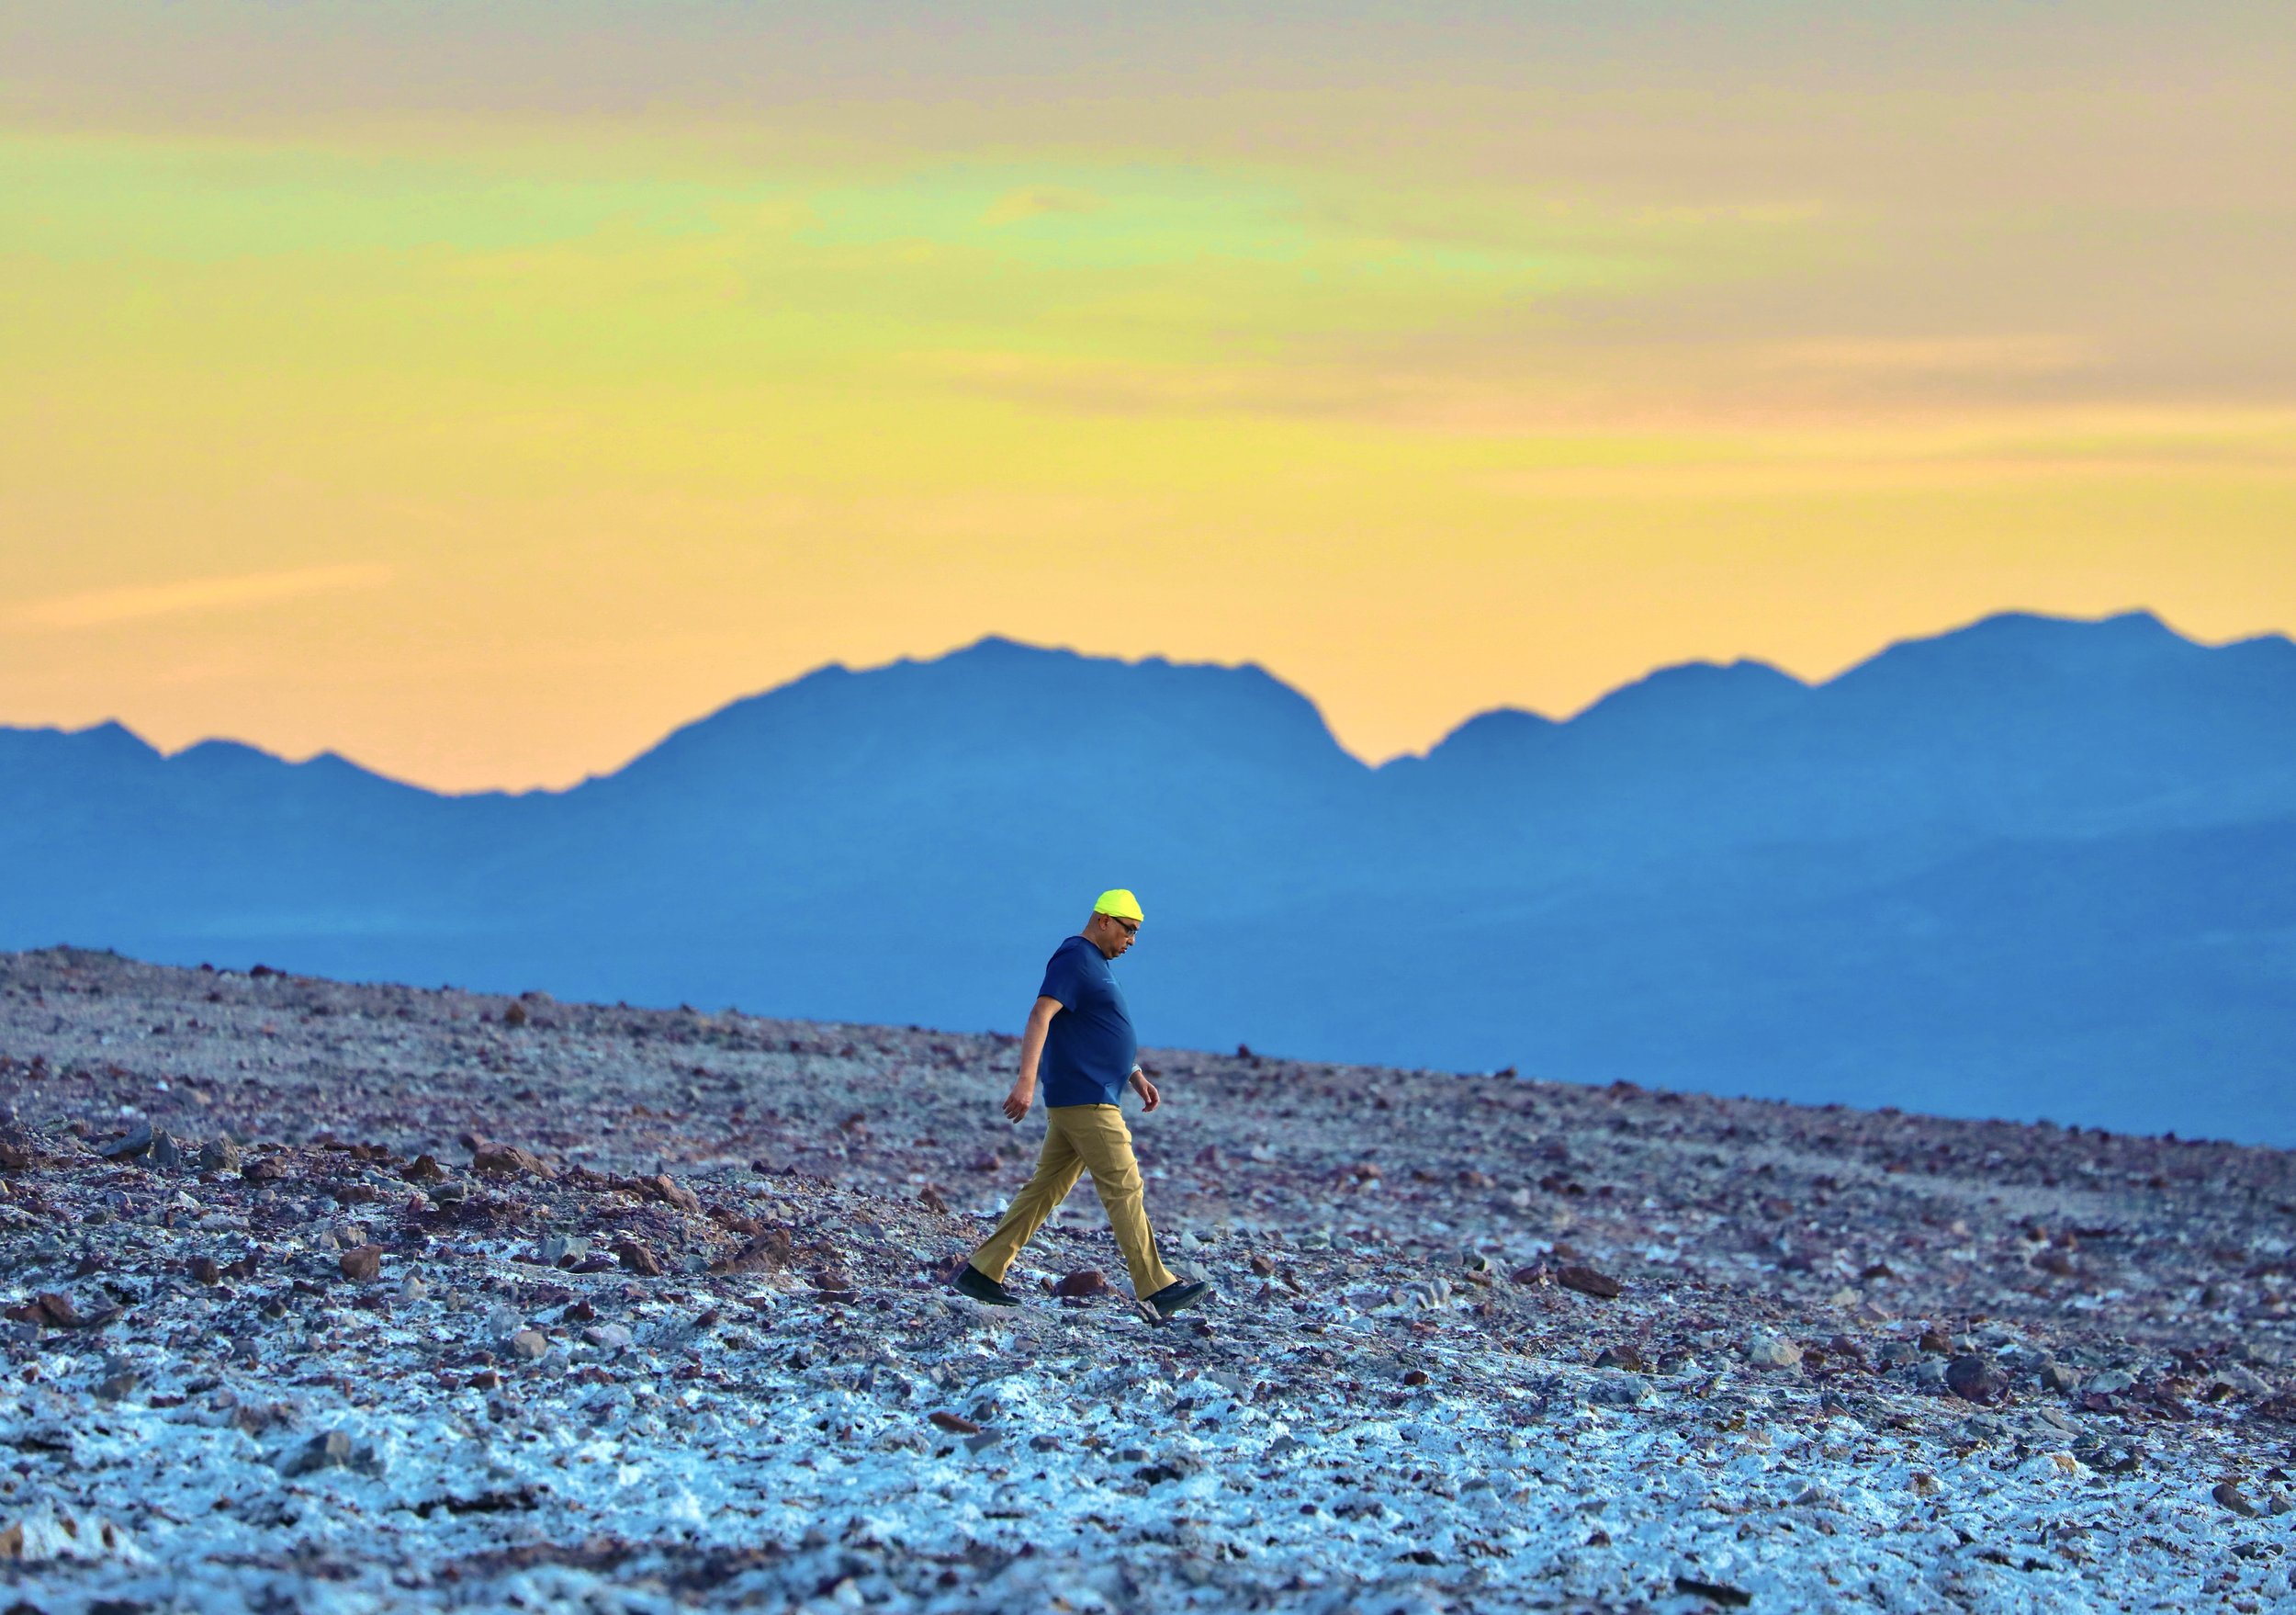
(1118, 902)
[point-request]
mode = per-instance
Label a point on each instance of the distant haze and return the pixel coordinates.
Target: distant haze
(2034, 867)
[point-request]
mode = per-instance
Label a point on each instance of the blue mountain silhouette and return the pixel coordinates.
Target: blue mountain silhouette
(2034, 866)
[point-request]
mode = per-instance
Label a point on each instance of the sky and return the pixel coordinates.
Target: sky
(482, 392)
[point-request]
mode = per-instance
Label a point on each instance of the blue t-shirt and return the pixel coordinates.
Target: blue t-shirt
(1089, 1051)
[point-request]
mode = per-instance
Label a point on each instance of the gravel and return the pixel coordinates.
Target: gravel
(742, 1382)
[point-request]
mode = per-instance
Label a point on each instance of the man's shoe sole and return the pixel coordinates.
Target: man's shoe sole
(998, 1297)
(1195, 1294)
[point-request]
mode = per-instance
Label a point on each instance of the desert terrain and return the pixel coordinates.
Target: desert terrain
(341, 1297)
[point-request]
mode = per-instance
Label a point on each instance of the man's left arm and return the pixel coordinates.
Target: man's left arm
(1149, 1098)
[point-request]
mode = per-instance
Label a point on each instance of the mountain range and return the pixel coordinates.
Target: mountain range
(2033, 867)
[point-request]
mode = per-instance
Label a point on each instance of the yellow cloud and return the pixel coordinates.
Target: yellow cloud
(1032, 201)
(1936, 356)
(97, 608)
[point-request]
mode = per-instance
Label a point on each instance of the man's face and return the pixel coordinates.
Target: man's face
(1111, 935)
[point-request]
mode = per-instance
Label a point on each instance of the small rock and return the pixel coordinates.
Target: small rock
(120, 1383)
(531, 1345)
(332, 1451)
(561, 1249)
(424, 1169)
(1534, 1273)
(1764, 1350)
(768, 1252)
(1587, 1282)
(219, 1155)
(2228, 1493)
(54, 1310)
(610, 1337)
(363, 1265)
(2056, 1376)
(166, 1155)
(1086, 1281)
(1179, 1466)
(2108, 1455)
(2111, 1382)
(508, 1160)
(834, 1286)
(636, 1258)
(662, 1187)
(136, 1142)
(206, 1269)
(1618, 1390)
(930, 1198)
(1974, 1378)
(2245, 1382)
(1428, 1295)
(1627, 1357)
(955, 1424)
(412, 1288)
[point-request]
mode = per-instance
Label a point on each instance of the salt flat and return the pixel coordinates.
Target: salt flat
(326, 1296)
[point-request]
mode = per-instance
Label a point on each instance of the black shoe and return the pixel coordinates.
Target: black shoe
(972, 1282)
(1176, 1295)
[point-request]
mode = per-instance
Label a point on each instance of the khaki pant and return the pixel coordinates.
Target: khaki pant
(1082, 1138)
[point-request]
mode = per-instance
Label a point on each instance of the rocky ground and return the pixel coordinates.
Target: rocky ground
(334, 1297)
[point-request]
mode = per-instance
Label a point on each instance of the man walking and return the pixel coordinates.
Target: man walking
(1081, 1033)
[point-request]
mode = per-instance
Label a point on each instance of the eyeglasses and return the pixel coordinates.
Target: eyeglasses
(1130, 926)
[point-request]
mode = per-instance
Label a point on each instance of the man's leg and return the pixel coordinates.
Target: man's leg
(1105, 1143)
(1057, 1170)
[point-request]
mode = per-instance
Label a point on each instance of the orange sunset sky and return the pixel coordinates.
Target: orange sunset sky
(480, 391)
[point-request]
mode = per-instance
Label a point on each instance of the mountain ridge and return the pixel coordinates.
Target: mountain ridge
(1718, 876)
(1670, 674)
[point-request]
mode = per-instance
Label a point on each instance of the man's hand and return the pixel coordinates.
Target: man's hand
(1149, 1098)
(1032, 1037)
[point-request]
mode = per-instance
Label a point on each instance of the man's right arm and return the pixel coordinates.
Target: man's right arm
(1023, 1092)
